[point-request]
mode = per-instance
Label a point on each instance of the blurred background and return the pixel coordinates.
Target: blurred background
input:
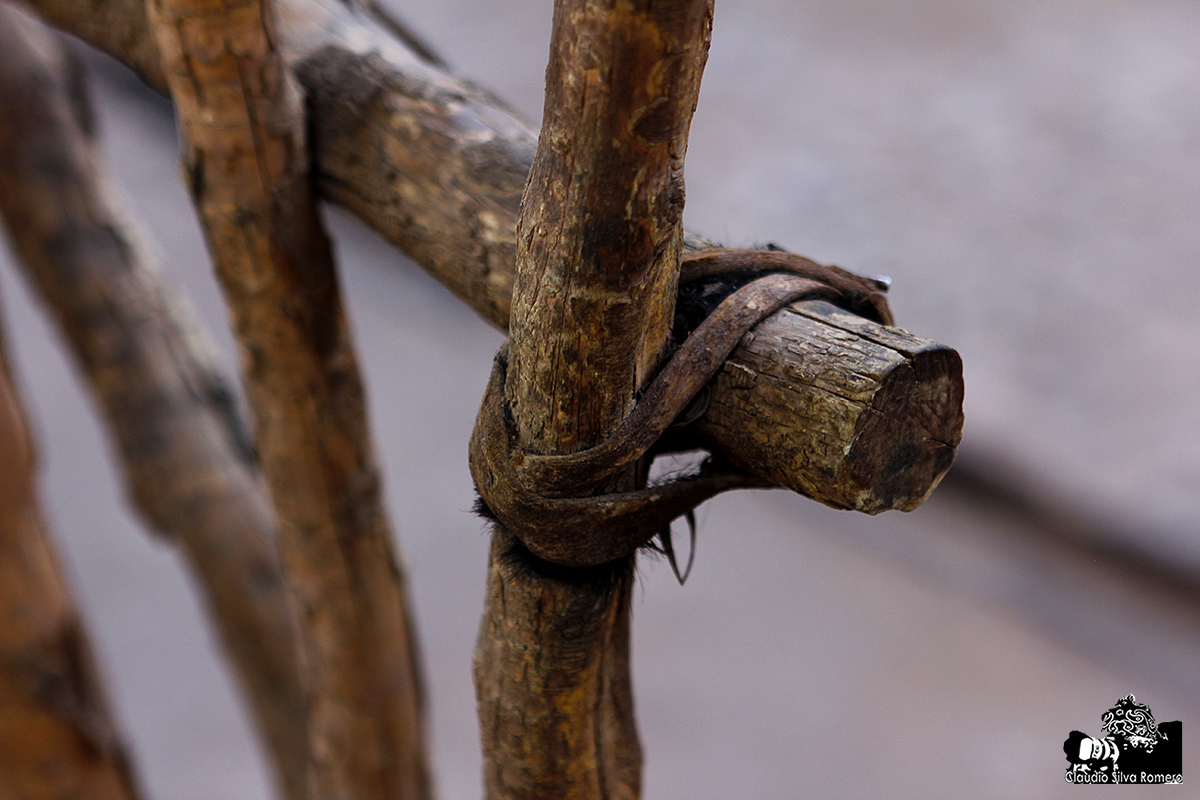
(1027, 172)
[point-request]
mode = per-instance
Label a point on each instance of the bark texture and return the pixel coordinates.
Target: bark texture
(187, 461)
(875, 412)
(246, 159)
(56, 733)
(599, 236)
(597, 266)
(437, 166)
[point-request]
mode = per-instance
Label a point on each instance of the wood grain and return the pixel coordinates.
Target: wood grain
(246, 161)
(597, 265)
(188, 465)
(57, 736)
(437, 166)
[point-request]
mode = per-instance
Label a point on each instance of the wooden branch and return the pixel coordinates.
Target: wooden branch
(56, 733)
(57, 737)
(599, 236)
(874, 413)
(598, 257)
(437, 167)
(246, 159)
(187, 461)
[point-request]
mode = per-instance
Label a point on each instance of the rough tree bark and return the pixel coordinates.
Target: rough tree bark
(56, 733)
(246, 159)
(853, 414)
(597, 266)
(455, 159)
(437, 166)
(188, 464)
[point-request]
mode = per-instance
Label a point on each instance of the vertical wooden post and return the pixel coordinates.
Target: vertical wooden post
(437, 167)
(247, 164)
(597, 266)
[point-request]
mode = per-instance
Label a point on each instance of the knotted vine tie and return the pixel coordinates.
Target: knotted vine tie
(550, 502)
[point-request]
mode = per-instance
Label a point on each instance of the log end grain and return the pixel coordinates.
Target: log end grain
(903, 448)
(853, 414)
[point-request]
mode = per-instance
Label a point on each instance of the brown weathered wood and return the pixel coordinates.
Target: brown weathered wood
(552, 499)
(597, 260)
(437, 167)
(57, 737)
(598, 239)
(875, 412)
(187, 463)
(246, 159)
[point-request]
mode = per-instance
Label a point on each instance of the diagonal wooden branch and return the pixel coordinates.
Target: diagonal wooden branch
(437, 166)
(597, 266)
(246, 160)
(57, 737)
(187, 461)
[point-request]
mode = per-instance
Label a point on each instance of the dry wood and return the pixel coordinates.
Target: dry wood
(551, 498)
(876, 413)
(246, 161)
(455, 159)
(437, 166)
(599, 236)
(434, 164)
(56, 733)
(187, 461)
(597, 268)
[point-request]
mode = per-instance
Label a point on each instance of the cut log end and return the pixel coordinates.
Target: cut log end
(907, 443)
(853, 414)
